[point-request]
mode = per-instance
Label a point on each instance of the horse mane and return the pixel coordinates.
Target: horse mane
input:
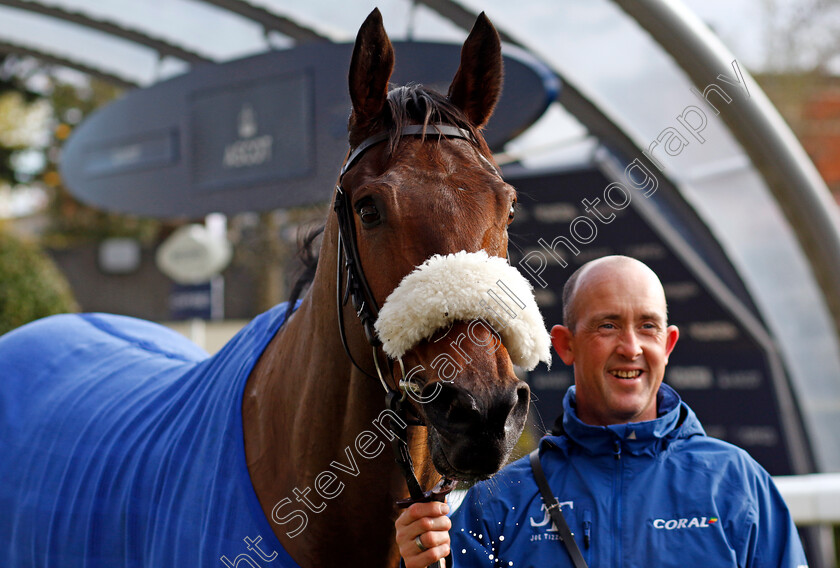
(410, 104)
(308, 257)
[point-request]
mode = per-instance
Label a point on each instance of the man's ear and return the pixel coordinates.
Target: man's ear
(672, 333)
(562, 340)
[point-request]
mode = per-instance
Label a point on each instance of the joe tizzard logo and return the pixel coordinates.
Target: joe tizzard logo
(688, 523)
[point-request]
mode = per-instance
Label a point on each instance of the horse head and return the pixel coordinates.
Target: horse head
(429, 217)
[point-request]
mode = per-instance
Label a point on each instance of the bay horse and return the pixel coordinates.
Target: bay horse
(125, 445)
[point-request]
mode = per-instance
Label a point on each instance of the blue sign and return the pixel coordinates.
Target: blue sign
(119, 156)
(198, 301)
(260, 133)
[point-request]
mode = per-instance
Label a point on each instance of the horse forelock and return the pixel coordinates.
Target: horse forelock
(415, 104)
(407, 105)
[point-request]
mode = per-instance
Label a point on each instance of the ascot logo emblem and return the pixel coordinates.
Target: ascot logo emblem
(677, 524)
(250, 149)
(247, 122)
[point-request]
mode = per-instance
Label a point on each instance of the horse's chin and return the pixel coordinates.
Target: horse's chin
(443, 455)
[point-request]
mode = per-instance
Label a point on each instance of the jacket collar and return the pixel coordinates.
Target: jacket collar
(675, 420)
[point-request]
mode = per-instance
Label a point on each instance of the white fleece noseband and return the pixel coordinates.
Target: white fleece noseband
(463, 287)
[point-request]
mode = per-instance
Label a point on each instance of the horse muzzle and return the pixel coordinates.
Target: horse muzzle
(474, 404)
(470, 437)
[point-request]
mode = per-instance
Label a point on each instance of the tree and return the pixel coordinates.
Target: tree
(36, 122)
(801, 36)
(31, 287)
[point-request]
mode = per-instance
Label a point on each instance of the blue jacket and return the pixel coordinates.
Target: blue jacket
(121, 445)
(658, 493)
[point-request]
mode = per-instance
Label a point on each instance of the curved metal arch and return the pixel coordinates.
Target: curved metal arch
(269, 20)
(791, 177)
(789, 174)
(163, 47)
(17, 49)
(462, 17)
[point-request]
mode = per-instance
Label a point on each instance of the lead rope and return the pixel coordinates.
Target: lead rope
(394, 401)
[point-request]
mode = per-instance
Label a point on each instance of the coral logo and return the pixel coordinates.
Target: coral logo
(690, 523)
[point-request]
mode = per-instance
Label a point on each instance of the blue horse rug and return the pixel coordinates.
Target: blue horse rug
(121, 444)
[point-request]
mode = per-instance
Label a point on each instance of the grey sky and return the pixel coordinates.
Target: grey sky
(741, 24)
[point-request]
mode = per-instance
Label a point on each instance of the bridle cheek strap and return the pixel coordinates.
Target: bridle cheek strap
(358, 290)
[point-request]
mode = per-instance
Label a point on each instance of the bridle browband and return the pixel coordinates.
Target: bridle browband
(358, 291)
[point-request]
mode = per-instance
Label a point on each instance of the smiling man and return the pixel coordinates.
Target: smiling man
(616, 334)
(637, 480)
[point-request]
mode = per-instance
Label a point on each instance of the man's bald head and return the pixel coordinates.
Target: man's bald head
(615, 266)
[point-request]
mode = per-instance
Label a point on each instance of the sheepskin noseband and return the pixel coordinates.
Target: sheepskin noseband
(465, 286)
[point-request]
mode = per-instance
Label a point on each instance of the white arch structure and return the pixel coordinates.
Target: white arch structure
(630, 70)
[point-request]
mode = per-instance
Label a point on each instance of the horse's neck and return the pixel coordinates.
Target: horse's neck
(314, 436)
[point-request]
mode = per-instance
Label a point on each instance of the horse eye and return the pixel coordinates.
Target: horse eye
(368, 213)
(512, 212)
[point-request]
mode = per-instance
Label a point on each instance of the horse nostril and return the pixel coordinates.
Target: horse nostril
(515, 419)
(509, 411)
(476, 430)
(453, 407)
(523, 396)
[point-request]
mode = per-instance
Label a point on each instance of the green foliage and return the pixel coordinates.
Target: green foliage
(10, 84)
(70, 222)
(837, 544)
(31, 286)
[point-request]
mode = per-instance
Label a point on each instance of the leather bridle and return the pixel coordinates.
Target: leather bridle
(357, 286)
(358, 291)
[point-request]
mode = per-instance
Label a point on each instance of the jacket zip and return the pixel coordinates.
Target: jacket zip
(587, 529)
(618, 488)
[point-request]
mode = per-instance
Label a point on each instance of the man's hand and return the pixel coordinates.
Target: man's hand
(429, 522)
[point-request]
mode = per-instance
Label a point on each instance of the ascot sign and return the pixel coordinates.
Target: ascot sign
(260, 133)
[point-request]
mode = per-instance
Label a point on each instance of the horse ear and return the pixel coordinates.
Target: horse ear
(478, 83)
(370, 69)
